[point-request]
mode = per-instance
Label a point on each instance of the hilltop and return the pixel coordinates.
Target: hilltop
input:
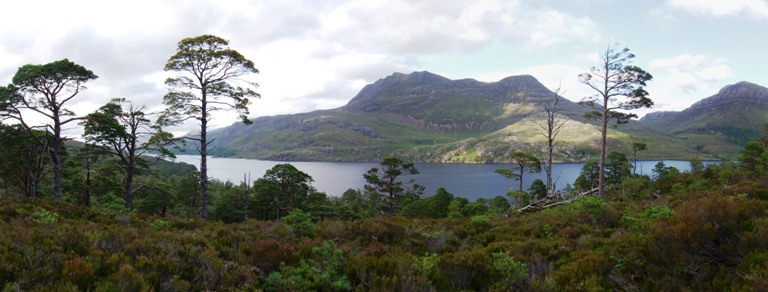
(430, 118)
(721, 123)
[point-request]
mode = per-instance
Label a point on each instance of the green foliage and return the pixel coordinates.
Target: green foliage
(300, 222)
(525, 162)
(426, 265)
(386, 182)
(436, 206)
(24, 161)
(116, 131)
(663, 172)
(593, 205)
(538, 189)
(320, 274)
(642, 222)
(754, 159)
(519, 198)
(43, 216)
(282, 189)
(512, 272)
(215, 68)
(160, 224)
(617, 167)
(589, 176)
(456, 206)
(45, 89)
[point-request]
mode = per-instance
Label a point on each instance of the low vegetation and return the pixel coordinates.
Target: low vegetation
(698, 230)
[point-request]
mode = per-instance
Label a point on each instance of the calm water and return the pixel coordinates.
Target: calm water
(471, 181)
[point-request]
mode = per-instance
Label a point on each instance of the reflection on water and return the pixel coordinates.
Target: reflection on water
(470, 181)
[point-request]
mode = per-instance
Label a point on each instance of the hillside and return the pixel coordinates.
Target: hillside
(430, 118)
(721, 123)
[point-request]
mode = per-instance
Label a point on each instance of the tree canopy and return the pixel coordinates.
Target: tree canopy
(385, 181)
(619, 87)
(44, 90)
(524, 162)
(211, 79)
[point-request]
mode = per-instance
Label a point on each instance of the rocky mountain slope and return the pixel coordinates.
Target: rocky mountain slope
(721, 123)
(427, 117)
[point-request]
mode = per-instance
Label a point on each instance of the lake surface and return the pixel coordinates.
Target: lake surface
(471, 181)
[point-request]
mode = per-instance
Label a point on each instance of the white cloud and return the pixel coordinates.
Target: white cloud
(682, 80)
(720, 8)
(553, 28)
(311, 54)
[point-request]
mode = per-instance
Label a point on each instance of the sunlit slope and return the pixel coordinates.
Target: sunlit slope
(427, 117)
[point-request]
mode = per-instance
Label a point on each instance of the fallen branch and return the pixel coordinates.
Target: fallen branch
(550, 201)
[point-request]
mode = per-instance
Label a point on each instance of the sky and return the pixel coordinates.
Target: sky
(318, 54)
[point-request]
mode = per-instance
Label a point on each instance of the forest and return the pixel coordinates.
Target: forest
(109, 214)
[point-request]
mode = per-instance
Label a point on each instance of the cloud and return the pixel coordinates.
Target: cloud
(688, 70)
(719, 8)
(681, 80)
(552, 28)
(311, 54)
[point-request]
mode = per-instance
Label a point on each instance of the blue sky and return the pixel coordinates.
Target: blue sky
(319, 54)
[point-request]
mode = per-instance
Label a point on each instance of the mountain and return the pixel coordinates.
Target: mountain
(721, 123)
(430, 118)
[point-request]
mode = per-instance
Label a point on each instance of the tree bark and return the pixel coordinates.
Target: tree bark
(56, 156)
(204, 156)
(129, 187)
(603, 147)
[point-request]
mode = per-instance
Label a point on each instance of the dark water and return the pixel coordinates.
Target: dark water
(471, 181)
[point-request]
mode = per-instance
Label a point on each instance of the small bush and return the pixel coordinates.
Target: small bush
(160, 224)
(42, 216)
(300, 222)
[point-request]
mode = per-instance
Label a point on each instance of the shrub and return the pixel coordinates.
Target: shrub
(644, 220)
(513, 273)
(321, 274)
(42, 216)
(300, 222)
(160, 224)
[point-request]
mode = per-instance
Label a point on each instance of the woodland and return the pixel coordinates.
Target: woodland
(108, 213)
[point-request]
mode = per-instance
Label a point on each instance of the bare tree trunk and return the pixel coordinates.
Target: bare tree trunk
(88, 165)
(56, 158)
(245, 195)
(550, 184)
(129, 187)
(603, 147)
(204, 158)
(550, 132)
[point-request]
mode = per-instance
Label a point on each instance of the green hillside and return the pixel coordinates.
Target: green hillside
(429, 118)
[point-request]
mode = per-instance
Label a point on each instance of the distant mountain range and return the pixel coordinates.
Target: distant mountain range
(429, 118)
(720, 124)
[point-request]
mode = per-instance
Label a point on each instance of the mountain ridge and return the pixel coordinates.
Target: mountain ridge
(734, 115)
(429, 118)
